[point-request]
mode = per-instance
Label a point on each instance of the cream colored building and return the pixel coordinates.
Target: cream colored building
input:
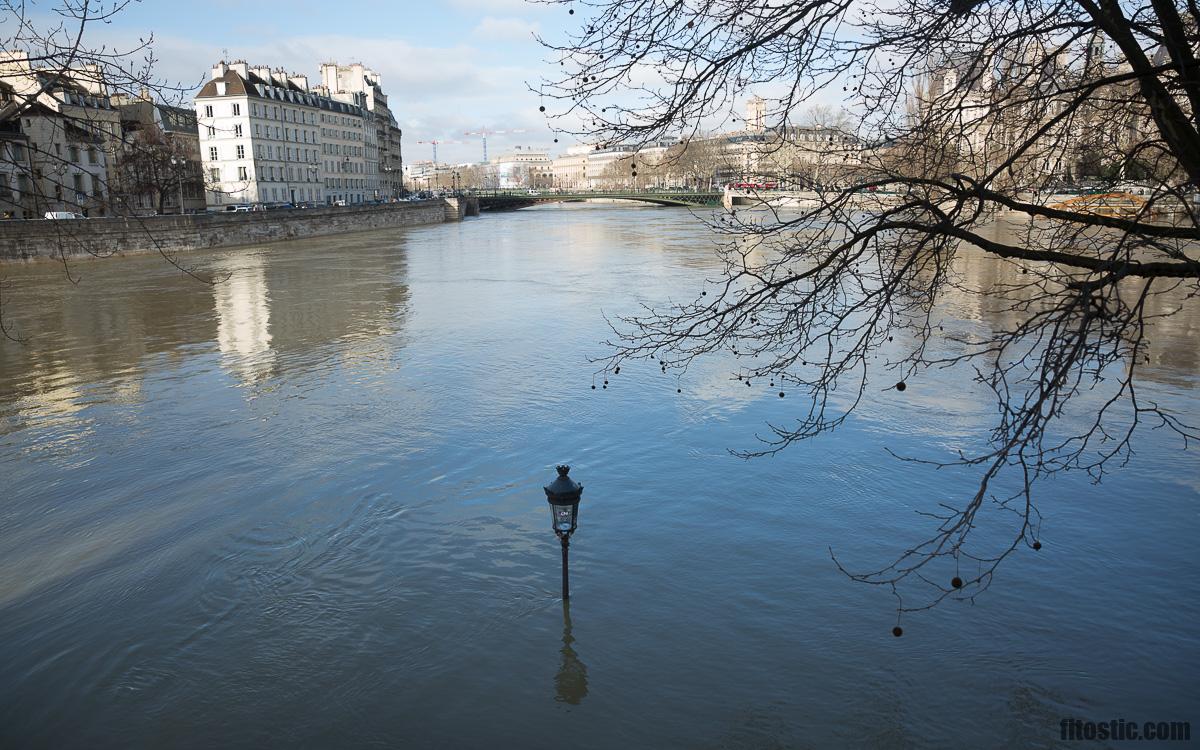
(61, 135)
(338, 81)
(266, 137)
(523, 167)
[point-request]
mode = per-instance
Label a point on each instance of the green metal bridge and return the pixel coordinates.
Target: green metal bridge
(514, 200)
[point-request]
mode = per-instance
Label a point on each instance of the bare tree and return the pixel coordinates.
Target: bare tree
(156, 166)
(965, 111)
(59, 86)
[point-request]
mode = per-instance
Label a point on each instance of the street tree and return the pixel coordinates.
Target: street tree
(965, 113)
(155, 165)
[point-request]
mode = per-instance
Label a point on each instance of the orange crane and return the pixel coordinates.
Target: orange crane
(435, 143)
(484, 133)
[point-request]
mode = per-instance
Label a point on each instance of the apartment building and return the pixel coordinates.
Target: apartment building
(360, 85)
(266, 137)
(59, 137)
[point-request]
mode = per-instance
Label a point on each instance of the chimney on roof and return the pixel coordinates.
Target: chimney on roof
(300, 80)
(219, 69)
(240, 68)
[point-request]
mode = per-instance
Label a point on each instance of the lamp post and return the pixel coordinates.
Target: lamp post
(563, 495)
(180, 165)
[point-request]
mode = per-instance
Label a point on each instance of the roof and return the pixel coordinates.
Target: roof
(254, 87)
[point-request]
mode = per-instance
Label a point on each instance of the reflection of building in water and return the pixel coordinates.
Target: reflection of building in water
(292, 309)
(244, 317)
(995, 292)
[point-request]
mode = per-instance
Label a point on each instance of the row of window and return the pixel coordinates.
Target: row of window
(82, 184)
(345, 135)
(306, 155)
(289, 115)
(274, 174)
(17, 153)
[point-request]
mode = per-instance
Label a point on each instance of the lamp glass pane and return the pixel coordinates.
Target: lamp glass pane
(562, 517)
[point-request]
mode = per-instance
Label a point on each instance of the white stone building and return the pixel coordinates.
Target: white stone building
(524, 167)
(360, 85)
(61, 132)
(266, 137)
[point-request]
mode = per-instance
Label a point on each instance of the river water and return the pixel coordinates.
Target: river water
(302, 507)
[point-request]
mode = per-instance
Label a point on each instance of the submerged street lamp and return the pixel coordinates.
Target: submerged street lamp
(563, 495)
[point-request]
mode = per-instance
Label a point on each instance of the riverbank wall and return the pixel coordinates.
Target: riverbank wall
(50, 239)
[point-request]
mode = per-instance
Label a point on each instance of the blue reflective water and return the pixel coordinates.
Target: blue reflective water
(303, 507)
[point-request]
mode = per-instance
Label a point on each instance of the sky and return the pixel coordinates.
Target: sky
(447, 67)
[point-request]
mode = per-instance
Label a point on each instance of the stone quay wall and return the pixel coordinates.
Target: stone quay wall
(44, 238)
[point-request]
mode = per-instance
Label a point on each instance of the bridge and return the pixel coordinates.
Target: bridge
(500, 201)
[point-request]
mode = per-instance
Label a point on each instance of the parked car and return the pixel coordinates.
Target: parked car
(237, 208)
(63, 215)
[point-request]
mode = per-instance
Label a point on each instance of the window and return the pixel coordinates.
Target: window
(23, 183)
(214, 174)
(254, 110)
(243, 173)
(237, 131)
(257, 129)
(73, 154)
(237, 109)
(212, 132)
(208, 110)
(91, 155)
(18, 151)
(78, 180)
(241, 151)
(212, 153)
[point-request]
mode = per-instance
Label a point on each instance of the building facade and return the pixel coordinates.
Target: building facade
(363, 86)
(523, 167)
(60, 135)
(266, 137)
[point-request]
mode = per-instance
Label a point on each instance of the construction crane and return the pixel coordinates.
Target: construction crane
(484, 133)
(435, 145)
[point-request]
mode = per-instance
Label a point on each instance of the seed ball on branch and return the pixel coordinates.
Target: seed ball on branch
(956, 582)
(901, 386)
(897, 631)
(1037, 545)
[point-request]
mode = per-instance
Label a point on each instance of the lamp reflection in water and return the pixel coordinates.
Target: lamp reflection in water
(570, 684)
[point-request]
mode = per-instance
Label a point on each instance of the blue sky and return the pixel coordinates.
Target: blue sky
(447, 67)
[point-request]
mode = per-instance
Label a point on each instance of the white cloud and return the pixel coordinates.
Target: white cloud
(505, 29)
(499, 6)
